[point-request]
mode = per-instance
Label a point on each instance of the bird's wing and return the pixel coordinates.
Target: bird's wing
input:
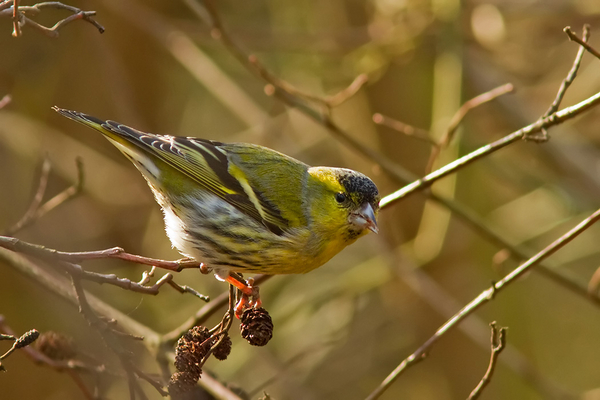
(205, 162)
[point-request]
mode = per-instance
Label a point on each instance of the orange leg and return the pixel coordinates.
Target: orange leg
(250, 294)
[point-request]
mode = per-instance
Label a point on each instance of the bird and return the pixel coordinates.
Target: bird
(245, 208)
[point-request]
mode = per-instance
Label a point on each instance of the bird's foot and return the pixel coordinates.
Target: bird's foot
(250, 294)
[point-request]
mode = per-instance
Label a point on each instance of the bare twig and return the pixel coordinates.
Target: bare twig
(458, 117)
(581, 42)
(5, 101)
(70, 367)
(348, 92)
(110, 336)
(327, 101)
(287, 364)
(16, 16)
(543, 123)
(498, 339)
(473, 220)
(543, 135)
(151, 380)
(448, 134)
(111, 279)
(5, 4)
(594, 282)
(480, 300)
(186, 289)
(85, 309)
(572, 73)
(275, 85)
(105, 330)
(434, 294)
(37, 198)
(20, 246)
(128, 284)
(470, 105)
(18, 343)
(408, 130)
(37, 209)
(17, 13)
(63, 288)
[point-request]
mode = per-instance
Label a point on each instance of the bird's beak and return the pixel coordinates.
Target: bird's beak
(365, 218)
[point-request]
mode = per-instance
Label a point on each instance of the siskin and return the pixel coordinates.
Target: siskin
(245, 208)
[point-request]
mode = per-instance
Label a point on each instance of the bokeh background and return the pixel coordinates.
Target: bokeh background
(342, 328)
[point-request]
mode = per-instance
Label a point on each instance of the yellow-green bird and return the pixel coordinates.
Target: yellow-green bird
(245, 208)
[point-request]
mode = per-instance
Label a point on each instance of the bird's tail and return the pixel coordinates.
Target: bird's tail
(128, 140)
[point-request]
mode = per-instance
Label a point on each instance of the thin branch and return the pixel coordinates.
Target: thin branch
(186, 289)
(217, 389)
(474, 221)
(344, 94)
(76, 295)
(408, 130)
(543, 136)
(472, 104)
(37, 209)
(18, 343)
(37, 199)
(285, 366)
(111, 279)
(125, 283)
(572, 73)
(110, 337)
(581, 42)
(45, 253)
(474, 328)
(63, 288)
(152, 381)
(71, 367)
(275, 85)
(5, 101)
(543, 123)
(480, 300)
(16, 19)
(17, 13)
(594, 282)
(448, 134)
(498, 339)
(458, 117)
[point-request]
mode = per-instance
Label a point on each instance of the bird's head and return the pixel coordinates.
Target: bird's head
(344, 202)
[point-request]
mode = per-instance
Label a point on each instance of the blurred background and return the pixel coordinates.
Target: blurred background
(340, 330)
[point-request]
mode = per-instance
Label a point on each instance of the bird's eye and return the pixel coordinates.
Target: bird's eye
(340, 197)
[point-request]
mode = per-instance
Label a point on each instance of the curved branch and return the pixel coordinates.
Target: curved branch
(479, 301)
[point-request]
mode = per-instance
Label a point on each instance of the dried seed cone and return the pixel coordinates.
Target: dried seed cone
(181, 382)
(197, 334)
(27, 338)
(221, 352)
(190, 350)
(256, 326)
(56, 346)
(188, 362)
